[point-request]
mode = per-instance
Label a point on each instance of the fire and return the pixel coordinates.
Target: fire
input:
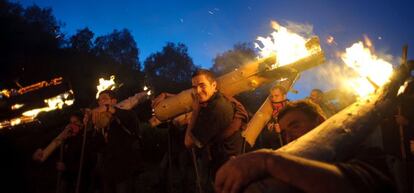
(372, 71)
(148, 90)
(17, 106)
(57, 102)
(105, 85)
(5, 93)
(286, 45)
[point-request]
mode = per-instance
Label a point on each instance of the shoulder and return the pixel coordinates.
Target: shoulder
(221, 103)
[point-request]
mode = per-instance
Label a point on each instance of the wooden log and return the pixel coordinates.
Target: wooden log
(248, 77)
(263, 115)
(341, 135)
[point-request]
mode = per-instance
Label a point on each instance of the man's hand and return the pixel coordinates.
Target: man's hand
(38, 155)
(87, 116)
(188, 140)
(196, 102)
(270, 126)
(240, 171)
(67, 132)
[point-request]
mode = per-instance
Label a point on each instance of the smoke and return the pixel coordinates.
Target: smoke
(304, 29)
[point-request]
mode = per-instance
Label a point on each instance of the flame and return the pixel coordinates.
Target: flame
(53, 103)
(57, 102)
(15, 121)
(286, 45)
(105, 85)
(5, 93)
(372, 71)
(17, 106)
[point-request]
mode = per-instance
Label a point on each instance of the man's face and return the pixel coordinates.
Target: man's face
(75, 120)
(315, 96)
(276, 95)
(105, 99)
(295, 123)
(203, 88)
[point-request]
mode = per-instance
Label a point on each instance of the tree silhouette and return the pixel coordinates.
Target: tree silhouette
(234, 58)
(82, 40)
(30, 40)
(119, 46)
(170, 70)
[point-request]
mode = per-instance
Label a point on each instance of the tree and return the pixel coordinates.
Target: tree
(119, 46)
(30, 40)
(170, 70)
(82, 40)
(234, 58)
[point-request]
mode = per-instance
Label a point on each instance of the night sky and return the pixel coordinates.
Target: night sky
(212, 27)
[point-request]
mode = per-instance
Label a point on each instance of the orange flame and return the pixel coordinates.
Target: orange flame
(57, 102)
(105, 85)
(372, 71)
(286, 45)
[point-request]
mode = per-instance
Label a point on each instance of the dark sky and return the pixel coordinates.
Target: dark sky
(210, 27)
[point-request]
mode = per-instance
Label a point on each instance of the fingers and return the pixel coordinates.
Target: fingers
(227, 182)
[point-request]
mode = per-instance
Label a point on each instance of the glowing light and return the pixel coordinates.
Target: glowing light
(372, 71)
(57, 102)
(17, 106)
(330, 40)
(105, 85)
(286, 45)
(53, 103)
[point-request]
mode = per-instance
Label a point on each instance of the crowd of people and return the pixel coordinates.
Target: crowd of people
(101, 149)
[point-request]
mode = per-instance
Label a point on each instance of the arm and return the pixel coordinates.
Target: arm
(301, 173)
(189, 138)
(132, 101)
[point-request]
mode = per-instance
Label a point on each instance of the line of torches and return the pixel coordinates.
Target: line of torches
(371, 71)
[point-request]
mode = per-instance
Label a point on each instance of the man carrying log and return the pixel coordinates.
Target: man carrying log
(365, 173)
(119, 143)
(214, 127)
(272, 136)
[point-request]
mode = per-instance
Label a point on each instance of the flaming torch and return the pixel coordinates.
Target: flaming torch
(377, 84)
(288, 48)
(23, 106)
(105, 85)
(372, 71)
(276, 61)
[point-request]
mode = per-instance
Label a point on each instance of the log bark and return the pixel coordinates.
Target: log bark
(340, 136)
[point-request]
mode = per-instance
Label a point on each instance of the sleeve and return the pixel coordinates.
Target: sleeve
(132, 101)
(128, 119)
(212, 122)
(369, 173)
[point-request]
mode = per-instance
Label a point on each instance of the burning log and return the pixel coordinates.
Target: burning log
(248, 77)
(263, 116)
(23, 106)
(338, 137)
(127, 104)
